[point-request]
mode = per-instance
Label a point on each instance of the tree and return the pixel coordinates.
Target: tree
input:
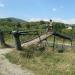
(42, 22)
(58, 27)
(28, 25)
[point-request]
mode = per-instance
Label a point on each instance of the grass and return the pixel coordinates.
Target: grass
(59, 40)
(1, 74)
(47, 62)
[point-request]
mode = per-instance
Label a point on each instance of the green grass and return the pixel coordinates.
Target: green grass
(47, 63)
(60, 40)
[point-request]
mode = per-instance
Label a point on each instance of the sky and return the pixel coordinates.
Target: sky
(59, 10)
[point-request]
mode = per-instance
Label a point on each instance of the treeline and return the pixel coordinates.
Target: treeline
(10, 24)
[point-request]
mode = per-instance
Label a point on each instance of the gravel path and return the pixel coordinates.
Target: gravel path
(7, 68)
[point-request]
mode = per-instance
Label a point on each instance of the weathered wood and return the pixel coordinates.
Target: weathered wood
(54, 43)
(37, 40)
(17, 40)
(62, 36)
(2, 41)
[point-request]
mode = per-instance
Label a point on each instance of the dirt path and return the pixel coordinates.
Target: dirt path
(7, 68)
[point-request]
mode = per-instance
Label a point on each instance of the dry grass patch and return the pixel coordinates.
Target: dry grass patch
(46, 63)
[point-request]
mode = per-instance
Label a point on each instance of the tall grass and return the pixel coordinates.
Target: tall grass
(45, 62)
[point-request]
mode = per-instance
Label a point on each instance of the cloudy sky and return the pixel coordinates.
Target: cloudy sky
(59, 10)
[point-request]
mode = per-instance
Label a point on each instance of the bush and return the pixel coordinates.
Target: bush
(32, 51)
(61, 50)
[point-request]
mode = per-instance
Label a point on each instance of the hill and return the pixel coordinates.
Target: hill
(12, 19)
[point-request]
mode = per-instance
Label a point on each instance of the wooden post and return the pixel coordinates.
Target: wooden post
(63, 45)
(54, 43)
(61, 50)
(17, 40)
(2, 41)
(71, 43)
(72, 36)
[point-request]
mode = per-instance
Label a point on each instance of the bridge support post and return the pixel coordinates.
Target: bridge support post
(17, 40)
(2, 41)
(54, 43)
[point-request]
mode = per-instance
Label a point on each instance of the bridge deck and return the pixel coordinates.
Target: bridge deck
(37, 40)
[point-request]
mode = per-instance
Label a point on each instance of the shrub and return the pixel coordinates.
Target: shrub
(32, 51)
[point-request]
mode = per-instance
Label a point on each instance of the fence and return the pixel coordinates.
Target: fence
(19, 37)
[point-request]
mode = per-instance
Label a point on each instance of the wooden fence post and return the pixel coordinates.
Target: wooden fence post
(2, 41)
(54, 43)
(17, 40)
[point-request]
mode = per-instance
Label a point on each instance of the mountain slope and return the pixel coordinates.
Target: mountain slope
(12, 19)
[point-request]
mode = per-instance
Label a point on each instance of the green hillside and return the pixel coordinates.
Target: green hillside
(12, 19)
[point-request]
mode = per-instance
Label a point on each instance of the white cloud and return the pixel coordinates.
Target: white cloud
(54, 9)
(66, 21)
(2, 5)
(37, 19)
(3, 16)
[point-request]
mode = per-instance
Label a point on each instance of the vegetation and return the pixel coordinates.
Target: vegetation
(58, 27)
(1, 74)
(40, 59)
(10, 24)
(45, 62)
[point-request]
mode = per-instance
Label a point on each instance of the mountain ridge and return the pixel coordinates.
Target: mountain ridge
(12, 19)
